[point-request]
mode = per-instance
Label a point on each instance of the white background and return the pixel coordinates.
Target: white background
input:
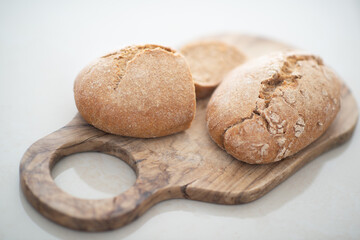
(44, 44)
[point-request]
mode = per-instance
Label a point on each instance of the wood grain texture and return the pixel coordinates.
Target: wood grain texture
(185, 165)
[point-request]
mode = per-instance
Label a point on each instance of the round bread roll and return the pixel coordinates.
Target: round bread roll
(274, 106)
(209, 62)
(139, 91)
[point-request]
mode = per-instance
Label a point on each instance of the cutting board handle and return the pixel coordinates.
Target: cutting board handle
(85, 214)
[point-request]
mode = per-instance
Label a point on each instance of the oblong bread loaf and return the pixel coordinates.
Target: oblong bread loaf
(273, 106)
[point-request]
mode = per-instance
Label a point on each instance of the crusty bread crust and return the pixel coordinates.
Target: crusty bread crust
(209, 62)
(274, 106)
(139, 91)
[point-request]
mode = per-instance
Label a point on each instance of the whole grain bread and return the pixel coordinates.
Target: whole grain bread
(209, 62)
(273, 106)
(139, 91)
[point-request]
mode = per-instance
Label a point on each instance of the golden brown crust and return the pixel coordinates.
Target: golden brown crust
(140, 91)
(274, 106)
(209, 62)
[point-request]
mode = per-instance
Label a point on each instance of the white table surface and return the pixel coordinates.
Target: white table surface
(44, 44)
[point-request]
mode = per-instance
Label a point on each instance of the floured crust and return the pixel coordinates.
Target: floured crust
(274, 106)
(209, 62)
(140, 91)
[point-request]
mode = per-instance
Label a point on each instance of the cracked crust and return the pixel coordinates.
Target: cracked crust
(139, 91)
(209, 62)
(274, 106)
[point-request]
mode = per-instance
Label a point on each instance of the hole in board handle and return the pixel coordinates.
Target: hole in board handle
(92, 175)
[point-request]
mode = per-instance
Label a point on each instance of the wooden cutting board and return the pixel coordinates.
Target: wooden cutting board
(185, 165)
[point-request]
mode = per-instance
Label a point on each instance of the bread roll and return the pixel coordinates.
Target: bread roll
(209, 62)
(139, 91)
(274, 106)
